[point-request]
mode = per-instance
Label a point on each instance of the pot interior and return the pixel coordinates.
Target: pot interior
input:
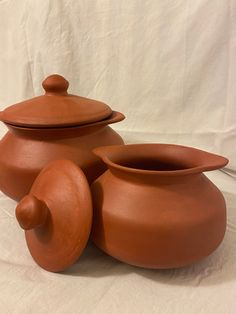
(153, 164)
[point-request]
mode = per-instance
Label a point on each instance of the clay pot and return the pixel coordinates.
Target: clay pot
(56, 125)
(155, 208)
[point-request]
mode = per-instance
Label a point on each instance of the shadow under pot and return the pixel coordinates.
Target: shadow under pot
(53, 126)
(155, 208)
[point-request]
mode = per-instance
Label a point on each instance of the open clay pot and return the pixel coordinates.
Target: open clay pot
(155, 208)
(54, 126)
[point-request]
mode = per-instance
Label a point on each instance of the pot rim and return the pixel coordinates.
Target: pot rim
(204, 161)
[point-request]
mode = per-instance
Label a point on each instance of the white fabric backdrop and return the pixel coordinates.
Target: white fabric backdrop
(170, 67)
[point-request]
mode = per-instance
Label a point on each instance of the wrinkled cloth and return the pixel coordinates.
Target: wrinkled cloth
(170, 67)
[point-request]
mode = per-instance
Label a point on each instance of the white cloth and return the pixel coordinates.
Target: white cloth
(98, 283)
(170, 67)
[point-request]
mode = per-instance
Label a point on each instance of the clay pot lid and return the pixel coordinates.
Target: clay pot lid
(57, 215)
(55, 108)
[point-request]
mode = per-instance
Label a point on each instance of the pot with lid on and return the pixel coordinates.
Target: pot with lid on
(53, 126)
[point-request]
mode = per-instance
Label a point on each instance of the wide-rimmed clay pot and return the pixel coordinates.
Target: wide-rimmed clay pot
(155, 208)
(56, 125)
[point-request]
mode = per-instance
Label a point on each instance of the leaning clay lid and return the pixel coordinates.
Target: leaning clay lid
(57, 215)
(55, 108)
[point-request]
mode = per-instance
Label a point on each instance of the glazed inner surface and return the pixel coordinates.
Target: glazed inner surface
(154, 164)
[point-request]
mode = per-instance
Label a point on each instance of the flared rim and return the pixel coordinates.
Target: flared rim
(193, 160)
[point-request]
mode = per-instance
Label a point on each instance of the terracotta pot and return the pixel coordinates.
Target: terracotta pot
(155, 208)
(54, 126)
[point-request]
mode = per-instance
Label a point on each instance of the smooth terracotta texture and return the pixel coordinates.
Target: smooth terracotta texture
(26, 149)
(155, 208)
(55, 108)
(57, 215)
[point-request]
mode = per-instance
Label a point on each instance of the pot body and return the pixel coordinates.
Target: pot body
(25, 152)
(158, 222)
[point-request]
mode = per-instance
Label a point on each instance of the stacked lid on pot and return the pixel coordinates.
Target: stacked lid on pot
(56, 108)
(57, 213)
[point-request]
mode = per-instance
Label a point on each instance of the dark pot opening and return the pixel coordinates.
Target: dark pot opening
(152, 164)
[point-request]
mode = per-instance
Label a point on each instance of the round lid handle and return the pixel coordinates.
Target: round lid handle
(55, 84)
(31, 212)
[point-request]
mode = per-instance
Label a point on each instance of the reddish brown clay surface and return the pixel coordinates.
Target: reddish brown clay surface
(39, 134)
(57, 215)
(56, 108)
(155, 208)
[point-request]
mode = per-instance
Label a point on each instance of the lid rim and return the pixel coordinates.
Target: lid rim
(52, 126)
(109, 120)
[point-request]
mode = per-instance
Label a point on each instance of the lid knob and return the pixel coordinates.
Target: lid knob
(31, 212)
(55, 84)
